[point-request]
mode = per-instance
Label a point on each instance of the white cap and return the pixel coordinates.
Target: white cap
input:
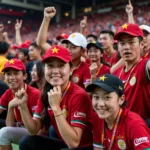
(77, 39)
(145, 27)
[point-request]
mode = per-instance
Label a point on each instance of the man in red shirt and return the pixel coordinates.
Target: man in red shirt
(107, 39)
(14, 72)
(135, 72)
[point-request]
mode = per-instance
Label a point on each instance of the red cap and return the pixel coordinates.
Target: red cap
(26, 44)
(15, 64)
(131, 29)
(58, 52)
(62, 36)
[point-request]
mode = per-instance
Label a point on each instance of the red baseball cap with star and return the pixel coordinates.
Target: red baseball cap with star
(57, 52)
(131, 29)
(62, 36)
(14, 64)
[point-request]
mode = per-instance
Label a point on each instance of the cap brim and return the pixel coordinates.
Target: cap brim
(14, 67)
(91, 87)
(92, 44)
(118, 34)
(59, 57)
(72, 42)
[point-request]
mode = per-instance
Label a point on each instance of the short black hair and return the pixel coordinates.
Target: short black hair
(111, 33)
(93, 36)
(34, 44)
(4, 46)
(25, 51)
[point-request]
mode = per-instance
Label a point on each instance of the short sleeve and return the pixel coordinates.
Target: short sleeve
(81, 108)
(140, 135)
(4, 100)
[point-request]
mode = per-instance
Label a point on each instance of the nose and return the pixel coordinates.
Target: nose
(101, 103)
(55, 70)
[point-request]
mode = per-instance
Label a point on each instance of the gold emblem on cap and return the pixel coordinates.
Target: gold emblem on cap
(93, 42)
(11, 62)
(120, 88)
(142, 27)
(125, 26)
(102, 78)
(55, 50)
(73, 35)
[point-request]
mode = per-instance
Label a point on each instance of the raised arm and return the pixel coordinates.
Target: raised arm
(129, 11)
(83, 25)
(49, 13)
(6, 38)
(1, 32)
(18, 26)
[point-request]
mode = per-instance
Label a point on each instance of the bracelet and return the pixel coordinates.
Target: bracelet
(58, 115)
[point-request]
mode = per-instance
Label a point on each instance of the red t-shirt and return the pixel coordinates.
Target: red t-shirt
(137, 87)
(103, 70)
(81, 74)
(33, 96)
(147, 55)
(78, 106)
(111, 60)
(132, 133)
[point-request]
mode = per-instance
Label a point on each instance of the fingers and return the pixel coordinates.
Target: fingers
(85, 18)
(129, 1)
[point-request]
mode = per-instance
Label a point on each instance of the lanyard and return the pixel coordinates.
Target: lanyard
(99, 69)
(114, 131)
(126, 82)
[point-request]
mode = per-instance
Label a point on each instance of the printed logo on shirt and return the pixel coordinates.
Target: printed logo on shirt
(75, 79)
(133, 81)
(121, 144)
(79, 114)
(141, 140)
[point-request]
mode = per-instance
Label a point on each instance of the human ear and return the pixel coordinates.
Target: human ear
(121, 100)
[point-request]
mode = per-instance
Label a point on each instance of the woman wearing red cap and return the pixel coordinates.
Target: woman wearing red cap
(63, 105)
(114, 126)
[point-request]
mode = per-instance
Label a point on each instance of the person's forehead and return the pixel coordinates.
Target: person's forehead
(54, 60)
(104, 35)
(125, 36)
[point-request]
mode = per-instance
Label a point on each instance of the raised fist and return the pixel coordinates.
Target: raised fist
(5, 34)
(93, 69)
(49, 12)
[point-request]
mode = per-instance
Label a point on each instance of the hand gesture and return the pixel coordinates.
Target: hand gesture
(18, 24)
(54, 97)
(21, 95)
(93, 69)
(5, 34)
(1, 27)
(129, 8)
(49, 12)
(14, 102)
(83, 23)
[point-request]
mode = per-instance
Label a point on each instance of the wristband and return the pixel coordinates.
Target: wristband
(58, 115)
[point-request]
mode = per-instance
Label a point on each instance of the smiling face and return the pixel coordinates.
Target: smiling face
(105, 104)
(57, 72)
(94, 54)
(146, 42)
(129, 47)
(15, 79)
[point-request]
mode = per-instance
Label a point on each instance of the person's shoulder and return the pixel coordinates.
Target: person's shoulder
(32, 89)
(77, 89)
(133, 118)
(84, 65)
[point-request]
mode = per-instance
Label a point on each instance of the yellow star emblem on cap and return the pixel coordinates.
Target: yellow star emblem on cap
(11, 62)
(62, 34)
(125, 26)
(102, 78)
(142, 27)
(73, 35)
(55, 50)
(120, 88)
